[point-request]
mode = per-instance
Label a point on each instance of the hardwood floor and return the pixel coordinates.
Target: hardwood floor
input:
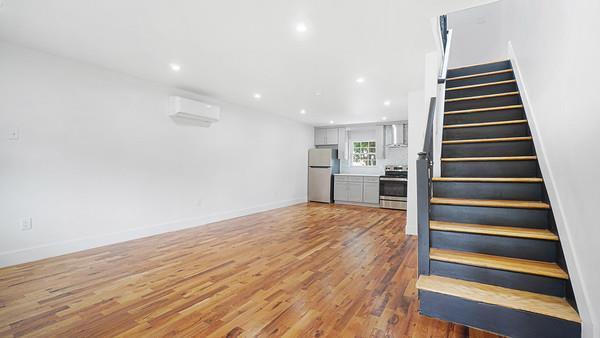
(305, 270)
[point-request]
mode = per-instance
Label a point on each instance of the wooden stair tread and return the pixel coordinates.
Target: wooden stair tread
(494, 230)
(496, 295)
(479, 64)
(490, 140)
(491, 203)
(490, 179)
(484, 124)
(496, 72)
(520, 265)
(478, 97)
(481, 85)
(478, 110)
(493, 158)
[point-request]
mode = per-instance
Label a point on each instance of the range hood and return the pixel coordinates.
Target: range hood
(395, 135)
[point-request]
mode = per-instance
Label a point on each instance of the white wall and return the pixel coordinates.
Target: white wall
(417, 117)
(556, 49)
(478, 35)
(98, 161)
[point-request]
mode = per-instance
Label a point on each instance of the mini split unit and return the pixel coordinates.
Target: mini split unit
(203, 113)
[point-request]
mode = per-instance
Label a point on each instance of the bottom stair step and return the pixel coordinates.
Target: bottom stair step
(513, 299)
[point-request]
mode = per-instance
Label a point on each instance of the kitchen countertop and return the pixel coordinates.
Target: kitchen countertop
(367, 175)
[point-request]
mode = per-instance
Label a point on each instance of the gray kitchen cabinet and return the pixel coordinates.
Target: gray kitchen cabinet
(356, 189)
(320, 136)
(355, 192)
(371, 192)
(332, 135)
(326, 136)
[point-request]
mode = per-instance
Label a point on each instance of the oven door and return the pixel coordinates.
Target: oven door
(393, 187)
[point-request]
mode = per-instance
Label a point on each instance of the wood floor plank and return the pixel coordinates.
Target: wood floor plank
(499, 262)
(302, 271)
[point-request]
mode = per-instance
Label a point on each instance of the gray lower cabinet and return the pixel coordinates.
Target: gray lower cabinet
(371, 192)
(340, 190)
(355, 192)
(357, 189)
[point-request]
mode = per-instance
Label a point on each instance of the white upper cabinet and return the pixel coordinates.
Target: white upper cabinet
(332, 135)
(326, 136)
(320, 137)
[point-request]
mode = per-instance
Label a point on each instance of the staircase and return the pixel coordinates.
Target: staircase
(491, 255)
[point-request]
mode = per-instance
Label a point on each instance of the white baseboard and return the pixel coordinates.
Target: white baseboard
(30, 254)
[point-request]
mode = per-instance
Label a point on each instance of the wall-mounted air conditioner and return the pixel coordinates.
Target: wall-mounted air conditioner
(203, 113)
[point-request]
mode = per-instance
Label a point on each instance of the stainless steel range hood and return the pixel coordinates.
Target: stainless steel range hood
(396, 135)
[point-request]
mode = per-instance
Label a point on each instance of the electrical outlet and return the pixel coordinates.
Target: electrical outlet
(13, 134)
(26, 224)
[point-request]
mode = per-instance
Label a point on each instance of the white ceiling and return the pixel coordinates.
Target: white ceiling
(231, 49)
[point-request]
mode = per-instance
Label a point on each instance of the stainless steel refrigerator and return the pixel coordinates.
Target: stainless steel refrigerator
(322, 164)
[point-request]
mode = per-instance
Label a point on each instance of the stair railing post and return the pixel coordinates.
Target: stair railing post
(423, 200)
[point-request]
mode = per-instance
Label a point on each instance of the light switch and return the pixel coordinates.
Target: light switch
(26, 224)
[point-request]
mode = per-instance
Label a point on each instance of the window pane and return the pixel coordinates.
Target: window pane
(364, 144)
(372, 150)
(372, 144)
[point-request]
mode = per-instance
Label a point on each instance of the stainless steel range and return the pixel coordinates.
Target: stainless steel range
(393, 187)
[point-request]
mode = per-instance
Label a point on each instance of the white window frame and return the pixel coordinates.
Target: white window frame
(367, 154)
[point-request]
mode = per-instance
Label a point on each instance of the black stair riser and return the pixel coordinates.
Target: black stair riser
(527, 218)
(490, 191)
(526, 282)
(487, 149)
(535, 249)
(490, 169)
(483, 103)
(495, 131)
(497, 319)
(489, 67)
(485, 90)
(485, 116)
(480, 80)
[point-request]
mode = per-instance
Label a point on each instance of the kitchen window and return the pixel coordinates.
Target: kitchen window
(363, 154)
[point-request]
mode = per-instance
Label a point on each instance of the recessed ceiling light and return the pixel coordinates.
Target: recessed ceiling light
(302, 111)
(360, 79)
(257, 96)
(384, 118)
(387, 103)
(331, 122)
(318, 93)
(175, 67)
(208, 106)
(301, 27)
